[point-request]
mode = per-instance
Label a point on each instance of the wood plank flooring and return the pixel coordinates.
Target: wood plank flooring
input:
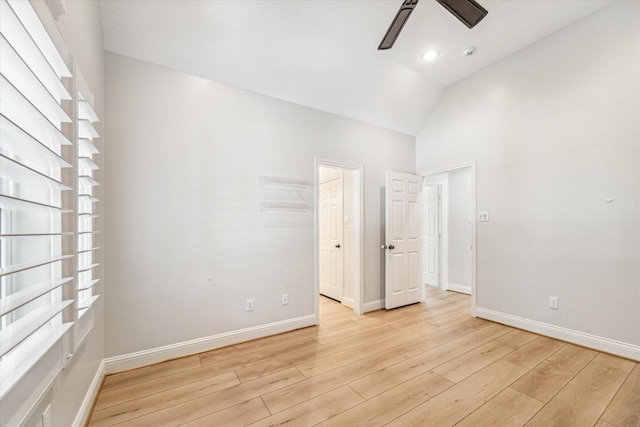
(428, 364)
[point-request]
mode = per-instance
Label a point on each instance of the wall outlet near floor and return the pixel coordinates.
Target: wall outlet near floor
(249, 305)
(483, 216)
(285, 299)
(553, 302)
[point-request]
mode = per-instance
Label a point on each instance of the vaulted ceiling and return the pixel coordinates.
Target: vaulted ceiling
(322, 53)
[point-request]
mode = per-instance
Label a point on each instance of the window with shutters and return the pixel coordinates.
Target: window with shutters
(47, 204)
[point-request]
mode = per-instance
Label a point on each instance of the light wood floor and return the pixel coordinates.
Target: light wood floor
(427, 364)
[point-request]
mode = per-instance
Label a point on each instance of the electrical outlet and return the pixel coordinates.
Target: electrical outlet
(285, 299)
(249, 305)
(553, 302)
(483, 216)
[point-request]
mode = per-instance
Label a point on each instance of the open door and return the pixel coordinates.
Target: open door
(332, 235)
(403, 281)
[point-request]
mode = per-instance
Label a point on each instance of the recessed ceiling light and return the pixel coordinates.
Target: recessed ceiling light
(431, 54)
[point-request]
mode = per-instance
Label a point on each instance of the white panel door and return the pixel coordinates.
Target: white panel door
(432, 236)
(331, 238)
(403, 281)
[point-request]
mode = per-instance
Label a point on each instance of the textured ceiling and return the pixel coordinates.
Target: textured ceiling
(322, 53)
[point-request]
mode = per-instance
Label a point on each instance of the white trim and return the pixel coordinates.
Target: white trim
(159, 354)
(449, 168)
(42, 382)
(359, 291)
(473, 207)
(607, 345)
(465, 289)
(84, 412)
(57, 8)
(373, 305)
(348, 302)
(358, 170)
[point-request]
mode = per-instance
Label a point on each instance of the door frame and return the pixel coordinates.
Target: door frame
(472, 206)
(358, 290)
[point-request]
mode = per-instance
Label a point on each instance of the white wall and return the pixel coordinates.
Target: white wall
(555, 130)
(182, 203)
(459, 274)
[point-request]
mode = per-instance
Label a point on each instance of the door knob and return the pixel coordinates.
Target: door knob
(338, 245)
(391, 247)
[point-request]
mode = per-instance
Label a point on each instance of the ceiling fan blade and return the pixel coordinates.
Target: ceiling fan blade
(398, 22)
(467, 11)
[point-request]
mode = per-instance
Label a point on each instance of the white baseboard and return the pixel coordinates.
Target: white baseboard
(155, 355)
(459, 288)
(348, 302)
(373, 306)
(85, 409)
(606, 345)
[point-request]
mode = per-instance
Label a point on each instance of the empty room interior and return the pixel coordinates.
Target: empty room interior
(318, 212)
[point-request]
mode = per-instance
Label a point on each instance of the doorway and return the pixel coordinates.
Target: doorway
(450, 229)
(339, 231)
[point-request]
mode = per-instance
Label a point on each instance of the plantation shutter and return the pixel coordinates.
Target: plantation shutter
(36, 297)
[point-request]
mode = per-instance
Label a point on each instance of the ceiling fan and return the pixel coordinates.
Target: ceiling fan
(467, 11)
